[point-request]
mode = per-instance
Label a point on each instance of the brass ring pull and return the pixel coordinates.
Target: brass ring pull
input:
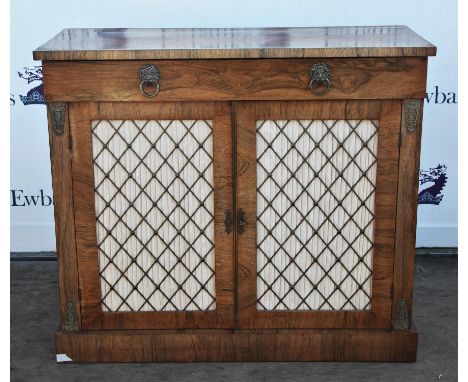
(149, 77)
(319, 79)
(149, 83)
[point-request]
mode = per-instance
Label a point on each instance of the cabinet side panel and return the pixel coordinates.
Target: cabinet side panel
(64, 216)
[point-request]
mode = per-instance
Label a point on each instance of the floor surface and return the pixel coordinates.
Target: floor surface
(34, 317)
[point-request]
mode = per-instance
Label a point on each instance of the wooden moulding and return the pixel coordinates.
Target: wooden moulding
(405, 235)
(61, 166)
(236, 346)
(226, 80)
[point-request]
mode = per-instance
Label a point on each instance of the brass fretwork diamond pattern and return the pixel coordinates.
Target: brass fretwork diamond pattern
(315, 214)
(154, 210)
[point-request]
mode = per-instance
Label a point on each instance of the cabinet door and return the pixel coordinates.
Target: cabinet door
(317, 182)
(151, 185)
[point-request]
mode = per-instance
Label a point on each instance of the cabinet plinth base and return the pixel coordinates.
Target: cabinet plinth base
(234, 346)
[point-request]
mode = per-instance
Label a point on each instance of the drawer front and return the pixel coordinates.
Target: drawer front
(215, 80)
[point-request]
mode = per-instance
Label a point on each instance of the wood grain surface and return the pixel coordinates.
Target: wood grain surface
(245, 346)
(405, 240)
(234, 77)
(214, 43)
(93, 317)
(389, 114)
(61, 165)
(217, 80)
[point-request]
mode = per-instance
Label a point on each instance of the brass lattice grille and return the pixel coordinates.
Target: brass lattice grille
(154, 209)
(315, 214)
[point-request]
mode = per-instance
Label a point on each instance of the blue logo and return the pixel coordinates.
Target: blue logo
(35, 96)
(436, 177)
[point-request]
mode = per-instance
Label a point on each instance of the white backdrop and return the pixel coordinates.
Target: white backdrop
(34, 22)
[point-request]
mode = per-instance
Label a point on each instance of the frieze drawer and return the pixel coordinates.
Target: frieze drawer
(215, 80)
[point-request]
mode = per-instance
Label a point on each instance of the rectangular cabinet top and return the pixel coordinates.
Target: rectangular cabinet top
(219, 43)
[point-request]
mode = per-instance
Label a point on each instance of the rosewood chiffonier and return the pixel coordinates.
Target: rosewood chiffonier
(235, 194)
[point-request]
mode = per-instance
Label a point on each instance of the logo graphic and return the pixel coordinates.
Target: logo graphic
(432, 194)
(36, 95)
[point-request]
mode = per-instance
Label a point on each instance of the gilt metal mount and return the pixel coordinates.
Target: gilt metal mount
(149, 77)
(319, 75)
(412, 110)
(70, 320)
(57, 116)
(401, 318)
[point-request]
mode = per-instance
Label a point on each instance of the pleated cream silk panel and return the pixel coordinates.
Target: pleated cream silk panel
(154, 210)
(315, 213)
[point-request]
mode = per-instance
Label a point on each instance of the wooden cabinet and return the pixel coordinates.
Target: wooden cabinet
(235, 195)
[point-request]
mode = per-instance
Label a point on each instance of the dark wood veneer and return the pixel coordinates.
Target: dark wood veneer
(215, 43)
(224, 80)
(234, 77)
(388, 113)
(81, 115)
(239, 346)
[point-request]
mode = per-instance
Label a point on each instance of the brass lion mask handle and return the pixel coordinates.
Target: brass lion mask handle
(319, 78)
(149, 77)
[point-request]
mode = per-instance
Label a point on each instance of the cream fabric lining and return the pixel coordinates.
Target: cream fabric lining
(167, 245)
(292, 262)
